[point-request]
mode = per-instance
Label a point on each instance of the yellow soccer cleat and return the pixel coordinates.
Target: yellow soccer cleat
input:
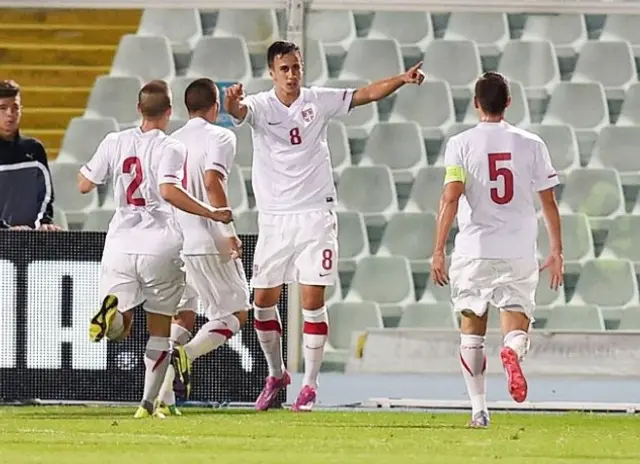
(101, 322)
(142, 413)
(182, 365)
(168, 409)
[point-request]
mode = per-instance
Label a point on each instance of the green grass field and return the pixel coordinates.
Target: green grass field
(73, 435)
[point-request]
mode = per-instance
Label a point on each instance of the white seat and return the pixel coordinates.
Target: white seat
(606, 283)
(361, 120)
(425, 192)
(617, 148)
(412, 29)
(623, 27)
(410, 235)
(181, 26)
(145, 57)
(372, 59)
(335, 30)
(567, 32)
(630, 111)
(369, 190)
(490, 31)
(562, 143)
(315, 63)
(211, 59)
(338, 141)
(352, 239)
(115, 97)
(456, 62)
(75, 205)
(82, 137)
(428, 316)
(258, 28)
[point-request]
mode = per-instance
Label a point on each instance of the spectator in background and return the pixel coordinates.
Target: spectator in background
(26, 188)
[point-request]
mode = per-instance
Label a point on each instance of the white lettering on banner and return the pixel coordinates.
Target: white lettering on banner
(44, 315)
(7, 315)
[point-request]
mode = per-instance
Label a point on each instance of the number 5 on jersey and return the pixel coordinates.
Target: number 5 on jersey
(133, 165)
(503, 174)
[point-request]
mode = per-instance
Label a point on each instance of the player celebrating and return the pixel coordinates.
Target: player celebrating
(211, 250)
(141, 258)
(295, 196)
(493, 172)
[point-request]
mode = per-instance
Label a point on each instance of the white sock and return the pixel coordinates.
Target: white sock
(179, 336)
(518, 341)
(473, 361)
(116, 327)
(156, 361)
(212, 335)
(269, 331)
(314, 338)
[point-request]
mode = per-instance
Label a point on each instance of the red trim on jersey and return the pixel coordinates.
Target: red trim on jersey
(551, 176)
(344, 96)
(171, 176)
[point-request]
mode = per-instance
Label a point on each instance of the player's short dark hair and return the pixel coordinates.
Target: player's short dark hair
(280, 48)
(9, 89)
(154, 99)
(492, 93)
(200, 95)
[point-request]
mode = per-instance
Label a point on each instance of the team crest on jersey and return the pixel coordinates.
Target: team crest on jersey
(308, 115)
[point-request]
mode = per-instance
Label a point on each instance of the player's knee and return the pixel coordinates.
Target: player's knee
(266, 297)
(312, 296)
(472, 324)
(185, 319)
(514, 318)
(242, 317)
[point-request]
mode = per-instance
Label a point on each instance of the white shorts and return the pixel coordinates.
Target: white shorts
(219, 283)
(503, 283)
(156, 281)
(300, 248)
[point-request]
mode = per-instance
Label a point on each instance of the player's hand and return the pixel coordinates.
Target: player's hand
(235, 247)
(50, 228)
(555, 264)
(439, 269)
(232, 97)
(221, 215)
(414, 75)
(20, 228)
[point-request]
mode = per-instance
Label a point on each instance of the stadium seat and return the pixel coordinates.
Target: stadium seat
(211, 59)
(617, 148)
(630, 319)
(532, 63)
(258, 28)
(352, 239)
(410, 235)
(257, 85)
(490, 31)
(623, 27)
(622, 240)
(428, 316)
(606, 283)
(144, 57)
(434, 293)
(384, 280)
(82, 137)
(517, 113)
(60, 218)
(244, 149)
(338, 141)
(576, 318)
(369, 190)
(335, 30)
(412, 102)
(630, 111)
(456, 62)
(98, 220)
(608, 63)
(425, 192)
(246, 222)
(315, 63)
(361, 120)
(174, 125)
(567, 32)
(577, 241)
(372, 59)
(562, 144)
(75, 205)
(333, 293)
(178, 87)
(398, 145)
(412, 30)
(347, 317)
(545, 295)
(237, 191)
(115, 97)
(181, 26)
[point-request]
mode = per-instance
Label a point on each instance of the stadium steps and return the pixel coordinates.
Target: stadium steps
(56, 55)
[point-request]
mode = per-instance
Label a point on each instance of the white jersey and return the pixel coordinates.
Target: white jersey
(291, 162)
(209, 147)
(138, 163)
(504, 167)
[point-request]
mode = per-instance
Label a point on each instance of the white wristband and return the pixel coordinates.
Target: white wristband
(228, 230)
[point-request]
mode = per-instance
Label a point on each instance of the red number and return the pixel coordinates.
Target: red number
(495, 173)
(294, 135)
(327, 259)
(133, 164)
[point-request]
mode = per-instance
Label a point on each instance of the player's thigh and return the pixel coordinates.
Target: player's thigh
(516, 285)
(118, 277)
(189, 300)
(163, 282)
(317, 260)
(275, 252)
(471, 284)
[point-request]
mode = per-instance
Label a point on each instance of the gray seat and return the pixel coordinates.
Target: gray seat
(361, 120)
(352, 239)
(623, 27)
(115, 97)
(398, 145)
(434, 293)
(630, 319)
(617, 148)
(237, 191)
(335, 30)
(82, 137)
(258, 28)
(244, 149)
(338, 141)
(456, 62)
(60, 218)
(490, 31)
(577, 241)
(181, 26)
(257, 85)
(545, 295)
(410, 235)
(246, 223)
(178, 87)
(428, 316)
(347, 317)
(412, 29)
(145, 57)
(333, 293)
(609, 63)
(372, 59)
(98, 220)
(412, 100)
(315, 63)
(606, 283)
(562, 143)
(630, 111)
(211, 59)
(65, 189)
(532, 63)
(567, 32)
(517, 113)
(369, 190)
(622, 239)
(174, 125)
(425, 192)
(576, 318)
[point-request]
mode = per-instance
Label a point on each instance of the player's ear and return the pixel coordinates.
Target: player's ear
(476, 105)
(508, 102)
(139, 107)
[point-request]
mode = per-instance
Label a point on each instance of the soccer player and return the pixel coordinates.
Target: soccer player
(493, 172)
(141, 258)
(295, 196)
(211, 250)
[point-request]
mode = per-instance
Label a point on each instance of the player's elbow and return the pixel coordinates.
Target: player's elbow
(548, 200)
(168, 192)
(84, 184)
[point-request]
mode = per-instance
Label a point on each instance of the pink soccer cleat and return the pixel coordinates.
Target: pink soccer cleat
(516, 382)
(272, 387)
(306, 399)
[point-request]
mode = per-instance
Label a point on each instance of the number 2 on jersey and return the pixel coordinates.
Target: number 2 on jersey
(133, 164)
(495, 173)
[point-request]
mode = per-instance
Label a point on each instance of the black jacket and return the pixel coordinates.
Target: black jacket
(26, 187)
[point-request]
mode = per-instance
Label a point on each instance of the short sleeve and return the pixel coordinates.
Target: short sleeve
(97, 169)
(334, 103)
(220, 152)
(171, 168)
(454, 170)
(544, 175)
(250, 102)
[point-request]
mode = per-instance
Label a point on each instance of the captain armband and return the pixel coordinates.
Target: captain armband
(454, 174)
